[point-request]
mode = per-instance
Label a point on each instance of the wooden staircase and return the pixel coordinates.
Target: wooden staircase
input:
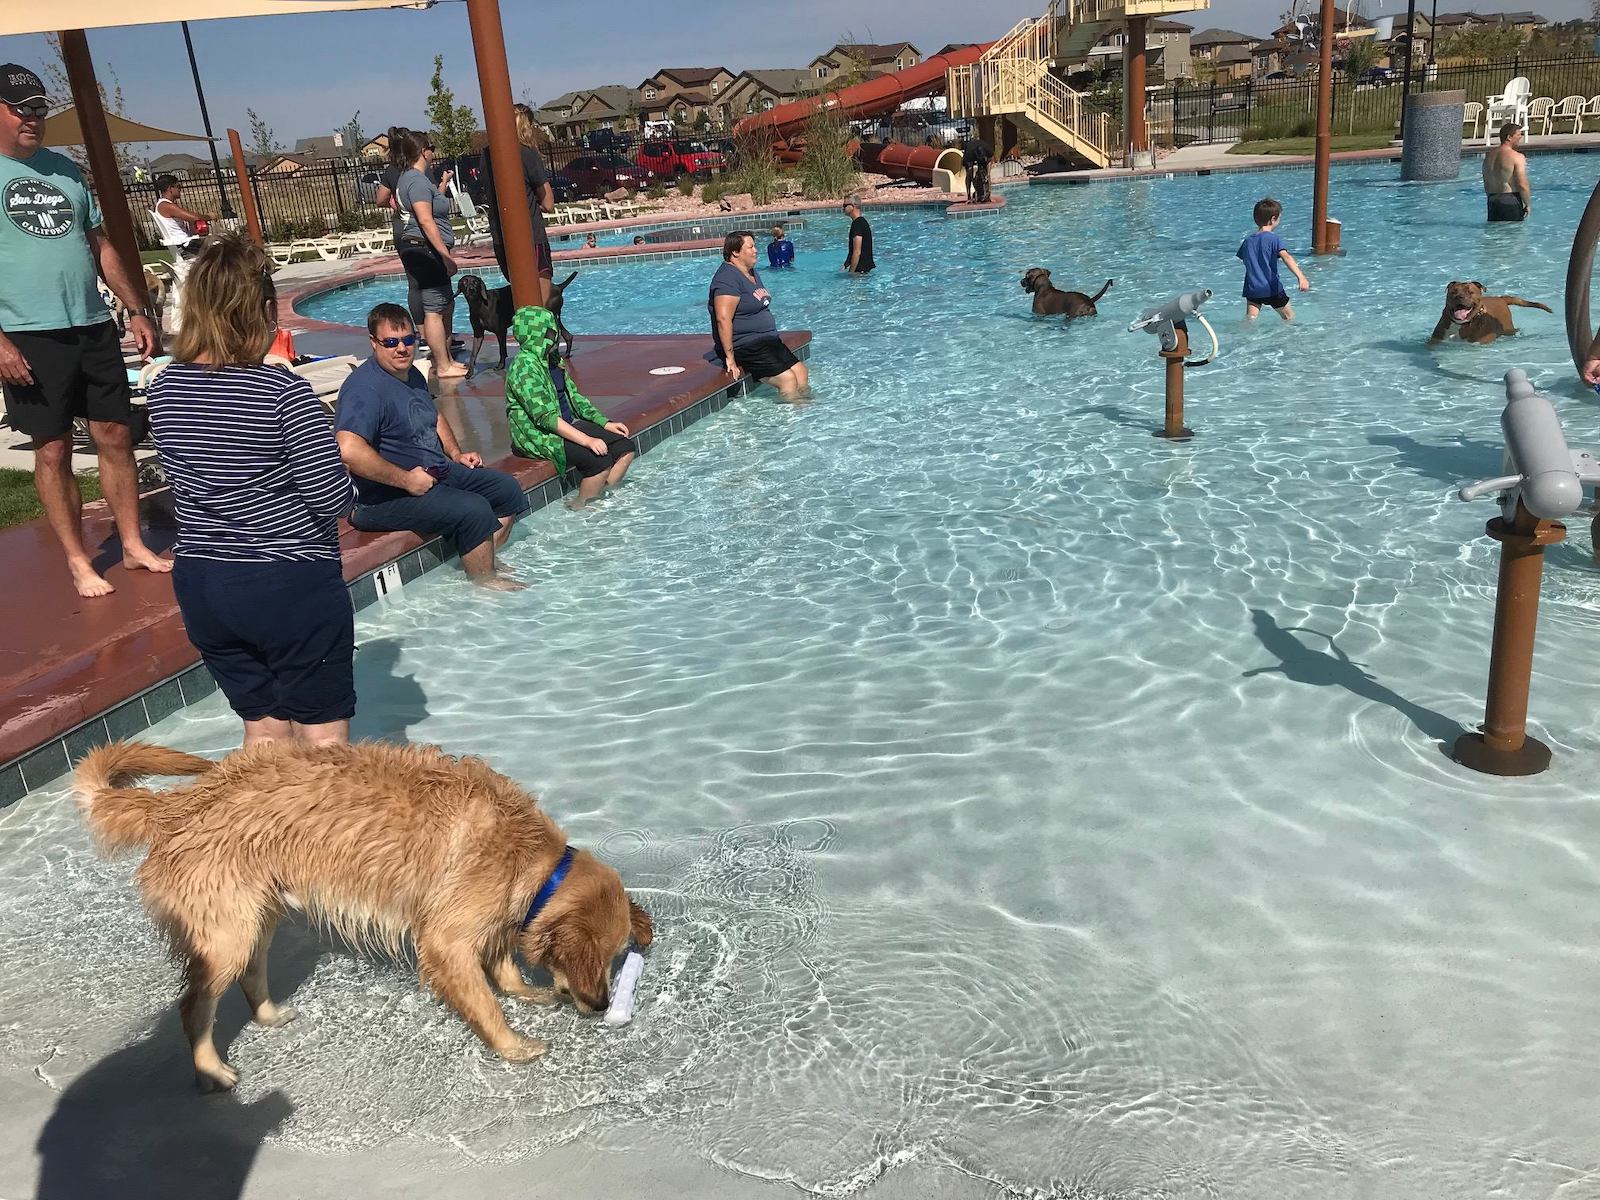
(1012, 79)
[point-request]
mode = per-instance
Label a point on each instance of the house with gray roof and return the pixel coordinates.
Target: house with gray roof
(758, 90)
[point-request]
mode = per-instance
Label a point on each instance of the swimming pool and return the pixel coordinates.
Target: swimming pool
(1028, 806)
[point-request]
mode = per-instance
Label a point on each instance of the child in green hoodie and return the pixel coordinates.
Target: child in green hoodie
(551, 419)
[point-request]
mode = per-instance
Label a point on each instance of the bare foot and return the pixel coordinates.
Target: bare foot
(576, 505)
(88, 581)
(274, 1016)
(454, 371)
(142, 558)
(499, 583)
(215, 1078)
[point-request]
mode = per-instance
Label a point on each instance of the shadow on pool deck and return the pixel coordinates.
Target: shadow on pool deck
(1298, 663)
(135, 1127)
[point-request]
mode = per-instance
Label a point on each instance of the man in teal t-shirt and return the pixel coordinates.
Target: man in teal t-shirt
(60, 358)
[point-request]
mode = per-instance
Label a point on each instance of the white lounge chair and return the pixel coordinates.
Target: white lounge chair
(1570, 109)
(1539, 114)
(1471, 114)
(1591, 110)
(1509, 105)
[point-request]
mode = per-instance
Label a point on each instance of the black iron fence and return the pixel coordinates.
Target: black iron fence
(309, 201)
(1247, 110)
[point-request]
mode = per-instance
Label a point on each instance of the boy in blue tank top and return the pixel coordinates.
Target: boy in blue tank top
(1261, 252)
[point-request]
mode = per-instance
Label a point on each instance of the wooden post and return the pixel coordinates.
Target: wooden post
(1173, 428)
(511, 195)
(241, 172)
(1319, 201)
(102, 155)
(1138, 56)
(1504, 747)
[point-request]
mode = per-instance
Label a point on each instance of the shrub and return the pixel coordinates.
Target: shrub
(656, 190)
(686, 184)
(827, 167)
(755, 168)
(712, 192)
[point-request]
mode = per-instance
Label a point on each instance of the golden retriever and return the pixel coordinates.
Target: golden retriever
(383, 843)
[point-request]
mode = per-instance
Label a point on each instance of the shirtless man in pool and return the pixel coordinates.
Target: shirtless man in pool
(1505, 177)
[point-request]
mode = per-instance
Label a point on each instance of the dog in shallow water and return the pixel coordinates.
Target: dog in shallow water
(383, 843)
(1051, 301)
(1474, 317)
(490, 310)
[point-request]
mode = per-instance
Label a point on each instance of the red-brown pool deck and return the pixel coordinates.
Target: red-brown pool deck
(65, 660)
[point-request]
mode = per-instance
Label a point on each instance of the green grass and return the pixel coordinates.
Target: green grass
(19, 502)
(1305, 145)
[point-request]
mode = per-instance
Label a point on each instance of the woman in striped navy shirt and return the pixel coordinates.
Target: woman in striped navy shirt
(259, 488)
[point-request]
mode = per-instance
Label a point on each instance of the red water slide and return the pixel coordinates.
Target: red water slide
(882, 94)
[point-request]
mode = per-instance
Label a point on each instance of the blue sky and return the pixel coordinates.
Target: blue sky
(306, 75)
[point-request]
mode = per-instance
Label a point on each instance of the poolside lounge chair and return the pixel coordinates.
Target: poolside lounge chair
(1509, 105)
(1570, 109)
(1591, 110)
(325, 375)
(1471, 114)
(1539, 114)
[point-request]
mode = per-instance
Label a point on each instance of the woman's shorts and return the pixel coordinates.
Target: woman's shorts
(765, 359)
(278, 637)
(589, 464)
(428, 274)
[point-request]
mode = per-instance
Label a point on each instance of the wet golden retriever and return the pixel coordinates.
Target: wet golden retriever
(384, 844)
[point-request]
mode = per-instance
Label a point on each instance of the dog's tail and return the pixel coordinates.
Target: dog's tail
(567, 280)
(123, 818)
(1096, 297)
(1521, 303)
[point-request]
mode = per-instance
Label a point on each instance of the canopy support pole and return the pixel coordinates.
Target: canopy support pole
(102, 155)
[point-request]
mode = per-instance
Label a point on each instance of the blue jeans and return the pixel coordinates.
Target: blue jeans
(465, 505)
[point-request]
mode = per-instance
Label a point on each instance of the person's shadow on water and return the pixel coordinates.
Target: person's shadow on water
(134, 1126)
(1454, 465)
(1299, 663)
(387, 703)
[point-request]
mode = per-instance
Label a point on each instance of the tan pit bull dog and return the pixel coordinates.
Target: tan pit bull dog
(1475, 317)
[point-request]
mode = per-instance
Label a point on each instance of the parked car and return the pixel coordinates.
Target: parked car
(679, 156)
(597, 174)
(565, 189)
(608, 140)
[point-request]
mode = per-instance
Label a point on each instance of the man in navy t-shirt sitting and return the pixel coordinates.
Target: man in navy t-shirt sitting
(409, 471)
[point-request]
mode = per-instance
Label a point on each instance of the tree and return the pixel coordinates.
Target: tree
(1487, 42)
(263, 142)
(1360, 56)
(702, 121)
(350, 131)
(453, 124)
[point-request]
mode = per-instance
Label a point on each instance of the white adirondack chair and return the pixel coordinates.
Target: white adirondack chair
(1570, 109)
(1539, 114)
(1509, 105)
(1471, 114)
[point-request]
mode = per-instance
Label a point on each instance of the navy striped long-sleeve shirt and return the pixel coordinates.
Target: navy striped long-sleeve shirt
(252, 462)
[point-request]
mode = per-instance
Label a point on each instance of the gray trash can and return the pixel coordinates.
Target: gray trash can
(1432, 148)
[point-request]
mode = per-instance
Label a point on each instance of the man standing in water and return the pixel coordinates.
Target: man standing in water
(858, 258)
(1505, 177)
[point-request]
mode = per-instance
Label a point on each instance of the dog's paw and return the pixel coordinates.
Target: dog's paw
(523, 1050)
(278, 1016)
(220, 1078)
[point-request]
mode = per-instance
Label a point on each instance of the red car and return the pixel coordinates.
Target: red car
(597, 174)
(672, 157)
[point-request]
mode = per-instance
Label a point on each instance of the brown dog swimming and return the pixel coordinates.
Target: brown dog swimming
(1051, 301)
(382, 843)
(1475, 317)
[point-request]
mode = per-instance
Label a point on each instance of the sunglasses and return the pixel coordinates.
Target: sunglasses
(390, 343)
(30, 112)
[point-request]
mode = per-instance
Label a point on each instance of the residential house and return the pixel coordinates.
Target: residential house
(609, 106)
(757, 91)
(1524, 22)
(1208, 43)
(1300, 33)
(332, 146)
(863, 58)
(1268, 57)
(1233, 63)
(284, 164)
(177, 164)
(375, 149)
(682, 94)
(952, 47)
(1167, 50)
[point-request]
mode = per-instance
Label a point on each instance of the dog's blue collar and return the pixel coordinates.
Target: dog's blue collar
(549, 888)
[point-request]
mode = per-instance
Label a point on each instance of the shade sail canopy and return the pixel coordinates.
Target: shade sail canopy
(62, 129)
(46, 16)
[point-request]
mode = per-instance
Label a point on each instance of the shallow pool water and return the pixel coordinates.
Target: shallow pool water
(1013, 791)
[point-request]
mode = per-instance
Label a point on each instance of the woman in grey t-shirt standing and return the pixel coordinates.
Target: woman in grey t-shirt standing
(424, 242)
(743, 330)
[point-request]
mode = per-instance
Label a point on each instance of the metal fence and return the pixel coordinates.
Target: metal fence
(315, 199)
(1184, 113)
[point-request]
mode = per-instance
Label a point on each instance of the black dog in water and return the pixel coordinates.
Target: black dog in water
(491, 312)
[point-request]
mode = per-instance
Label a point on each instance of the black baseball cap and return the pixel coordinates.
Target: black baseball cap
(18, 85)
